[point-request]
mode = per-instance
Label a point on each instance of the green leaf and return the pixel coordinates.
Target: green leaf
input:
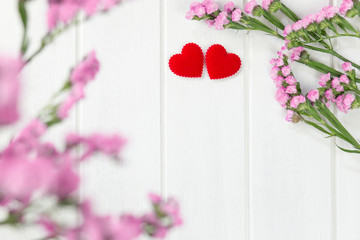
(318, 127)
(347, 150)
(24, 20)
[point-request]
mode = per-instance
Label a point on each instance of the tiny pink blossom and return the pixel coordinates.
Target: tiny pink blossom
(210, 6)
(320, 16)
(86, 70)
(308, 20)
(229, 7)
(329, 95)
(346, 6)
(281, 96)
(335, 82)
(330, 11)
(295, 101)
(249, 7)
(339, 88)
(340, 103)
(296, 53)
(289, 115)
(290, 80)
(210, 23)
(274, 72)
(297, 26)
(348, 100)
(287, 30)
(236, 15)
(291, 89)
(286, 70)
(313, 95)
(279, 81)
(324, 79)
(347, 67)
(9, 89)
(266, 4)
(344, 79)
(220, 21)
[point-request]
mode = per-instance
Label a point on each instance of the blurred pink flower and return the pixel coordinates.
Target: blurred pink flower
(9, 89)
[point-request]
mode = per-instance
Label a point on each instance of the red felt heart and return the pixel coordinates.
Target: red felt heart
(189, 63)
(221, 64)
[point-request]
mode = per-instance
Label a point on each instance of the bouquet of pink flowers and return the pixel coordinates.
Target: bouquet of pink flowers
(34, 171)
(303, 37)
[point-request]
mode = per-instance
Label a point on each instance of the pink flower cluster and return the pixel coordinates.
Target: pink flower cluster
(29, 166)
(201, 8)
(9, 89)
(82, 74)
(63, 11)
(333, 89)
(266, 4)
(287, 94)
(327, 12)
(346, 6)
(250, 6)
(127, 227)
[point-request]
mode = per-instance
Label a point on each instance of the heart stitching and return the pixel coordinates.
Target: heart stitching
(221, 64)
(189, 63)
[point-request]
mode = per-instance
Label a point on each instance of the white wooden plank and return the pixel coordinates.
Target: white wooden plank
(290, 164)
(205, 135)
(125, 99)
(39, 82)
(348, 165)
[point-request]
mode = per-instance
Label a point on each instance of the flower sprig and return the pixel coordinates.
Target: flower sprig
(304, 36)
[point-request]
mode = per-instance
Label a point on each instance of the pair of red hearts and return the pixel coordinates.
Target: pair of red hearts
(190, 62)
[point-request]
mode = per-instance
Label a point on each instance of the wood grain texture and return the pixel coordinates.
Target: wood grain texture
(290, 168)
(205, 129)
(125, 99)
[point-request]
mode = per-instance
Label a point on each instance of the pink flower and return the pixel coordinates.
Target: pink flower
(346, 6)
(9, 89)
(320, 16)
(344, 79)
(308, 20)
(297, 26)
(154, 198)
(291, 90)
(220, 21)
(279, 81)
(296, 52)
(335, 82)
(210, 23)
(347, 67)
(229, 7)
(86, 70)
(281, 96)
(249, 7)
(339, 88)
(266, 4)
(76, 94)
(287, 30)
(289, 115)
(324, 79)
(109, 145)
(20, 178)
(65, 181)
(210, 6)
(295, 101)
(274, 72)
(348, 100)
(286, 70)
(236, 15)
(290, 80)
(330, 11)
(329, 95)
(313, 95)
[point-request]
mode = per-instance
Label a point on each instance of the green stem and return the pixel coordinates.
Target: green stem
(336, 36)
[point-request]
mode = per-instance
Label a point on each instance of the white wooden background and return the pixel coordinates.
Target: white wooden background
(222, 147)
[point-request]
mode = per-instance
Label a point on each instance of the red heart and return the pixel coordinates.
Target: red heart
(221, 64)
(189, 63)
